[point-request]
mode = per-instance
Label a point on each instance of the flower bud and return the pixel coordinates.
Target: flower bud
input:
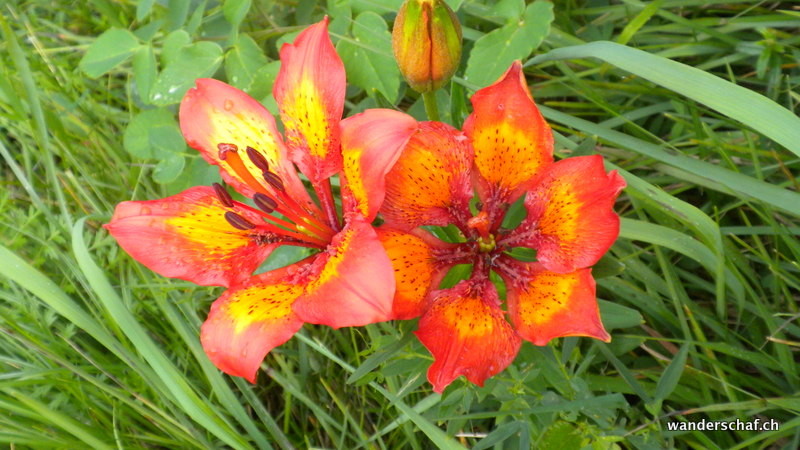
(427, 43)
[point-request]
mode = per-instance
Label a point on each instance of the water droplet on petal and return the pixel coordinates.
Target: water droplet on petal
(146, 210)
(228, 104)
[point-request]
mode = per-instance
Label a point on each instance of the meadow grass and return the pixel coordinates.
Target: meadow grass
(700, 293)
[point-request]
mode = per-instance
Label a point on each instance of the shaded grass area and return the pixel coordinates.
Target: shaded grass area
(702, 287)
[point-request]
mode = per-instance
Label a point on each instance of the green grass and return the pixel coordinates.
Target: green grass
(701, 289)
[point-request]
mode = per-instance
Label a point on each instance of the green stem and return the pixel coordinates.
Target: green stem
(431, 109)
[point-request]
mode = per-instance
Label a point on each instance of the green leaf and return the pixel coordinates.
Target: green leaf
(144, 71)
(608, 266)
(341, 17)
(151, 132)
(506, 10)
(382, 7)
(438, 437)
(177, 12)
(68, 424)
(173, 45)
(169, 168)
(338, 8)
(263, 80)
(378, 358)
(235, 11)
(243, 61)
(501, 433)
(639, 21)
(196, 19)
(143, 8)
(707, 174)
(166, 138)
(109, 50)
(284, 256)
(494, 52)
(741, 104)
(561, 435)
(175, 382)
(199, 60)
(671, 376)
(367, 59)
(616, 316)
(677, 241)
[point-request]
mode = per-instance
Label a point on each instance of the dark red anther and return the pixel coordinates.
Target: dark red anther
(223, 195)
(274, 180)
(264, 203)
(238, 222)
(258, 159)
(225, 148)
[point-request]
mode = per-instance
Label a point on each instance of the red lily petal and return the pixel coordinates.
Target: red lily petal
(571, 221)
(310, 91)
(511, 138)
(350, 284)
(371, 143)
(467, 334)
(430, 183)
(544, 305)
(215, 113)
(245, 323)
(186, 236)
(416, 269)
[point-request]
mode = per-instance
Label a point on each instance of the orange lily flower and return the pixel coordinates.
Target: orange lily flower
(505, 151)
(205, 236)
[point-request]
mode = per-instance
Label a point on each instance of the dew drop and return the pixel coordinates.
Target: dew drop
(146, 210)
(228, 104)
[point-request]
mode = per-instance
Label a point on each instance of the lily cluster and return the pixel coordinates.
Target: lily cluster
(414, 174)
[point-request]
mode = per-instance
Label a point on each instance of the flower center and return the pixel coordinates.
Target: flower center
(486, 244)
(299, 225)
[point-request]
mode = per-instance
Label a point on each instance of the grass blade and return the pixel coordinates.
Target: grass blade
(175, 383)
(736, 102)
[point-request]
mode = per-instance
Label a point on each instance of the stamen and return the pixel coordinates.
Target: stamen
(274, 180)
(225, 148)
(278, 221)
(238, 221)
(264, 203)
(257, 159)
(223, 195)
(305, 220)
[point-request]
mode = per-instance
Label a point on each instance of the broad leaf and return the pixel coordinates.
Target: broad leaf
(494, 52)
(111, 49)
(367, 58)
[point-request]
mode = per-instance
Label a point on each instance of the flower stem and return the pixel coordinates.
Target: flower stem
(431, 109)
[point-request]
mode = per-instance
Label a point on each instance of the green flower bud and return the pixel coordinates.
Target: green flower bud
(427, 43)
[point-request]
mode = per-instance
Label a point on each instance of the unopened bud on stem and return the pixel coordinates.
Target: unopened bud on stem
(427, 43)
